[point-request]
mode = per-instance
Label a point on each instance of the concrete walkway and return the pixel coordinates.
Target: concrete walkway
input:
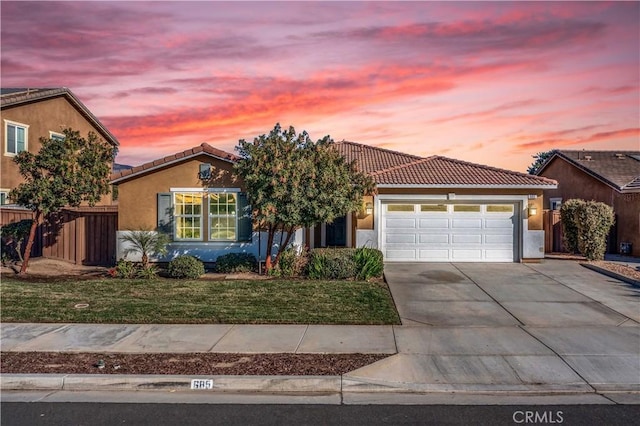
(507, 329)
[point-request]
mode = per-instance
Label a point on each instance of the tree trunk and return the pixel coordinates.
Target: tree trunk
(32, 237)
(283, 245)
(145, 260)
(267, 260)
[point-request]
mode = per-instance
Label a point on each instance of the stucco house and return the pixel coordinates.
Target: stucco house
(432, 209)
(611, 177)
(29, 114)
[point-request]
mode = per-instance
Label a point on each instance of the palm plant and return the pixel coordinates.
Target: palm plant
(147, 243)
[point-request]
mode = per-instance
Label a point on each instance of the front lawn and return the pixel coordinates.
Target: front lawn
(197, 302)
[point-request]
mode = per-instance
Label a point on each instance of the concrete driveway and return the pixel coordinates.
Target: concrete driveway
(554, 326)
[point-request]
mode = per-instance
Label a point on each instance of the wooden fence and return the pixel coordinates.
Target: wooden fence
(85, 235)
(552, 231)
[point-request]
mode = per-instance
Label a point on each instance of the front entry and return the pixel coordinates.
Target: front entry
(337, 232)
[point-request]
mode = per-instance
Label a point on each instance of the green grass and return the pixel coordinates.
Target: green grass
(165, 301)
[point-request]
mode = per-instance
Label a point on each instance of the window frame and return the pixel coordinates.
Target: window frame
(56, 135)
(211, 216)
(15, 124)
(176, 216)
(4, 193)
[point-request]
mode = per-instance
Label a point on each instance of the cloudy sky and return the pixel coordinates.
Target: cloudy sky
(491, 83)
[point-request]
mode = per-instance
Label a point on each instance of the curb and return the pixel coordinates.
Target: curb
(611, 274)
(86, 382)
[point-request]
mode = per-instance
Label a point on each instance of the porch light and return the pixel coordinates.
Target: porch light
(368, 208)
(533, 210)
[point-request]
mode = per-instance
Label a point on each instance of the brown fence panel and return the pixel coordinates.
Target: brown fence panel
(552, 232)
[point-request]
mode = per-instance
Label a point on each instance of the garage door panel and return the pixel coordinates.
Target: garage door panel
(401, 238)
(395, 254)
(475, 232)
(393, 223)
(466, 254)
(434, 238)
(499, 255)
(466, 223)
(467, 239)
(434, 223)
(506, 239)
(498, 223)
(434, 255)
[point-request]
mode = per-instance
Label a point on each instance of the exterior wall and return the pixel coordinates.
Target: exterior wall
(137, 197)
(51, 115)
(574, 183)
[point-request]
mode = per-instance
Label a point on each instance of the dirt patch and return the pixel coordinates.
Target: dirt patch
(184, 364)
(41, 269)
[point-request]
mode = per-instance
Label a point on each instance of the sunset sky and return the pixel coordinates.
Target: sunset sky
(490, 83)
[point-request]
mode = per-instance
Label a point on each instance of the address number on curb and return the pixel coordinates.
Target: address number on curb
(201, 384)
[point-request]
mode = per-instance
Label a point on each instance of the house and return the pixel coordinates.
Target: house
(433, 209)
(30, 114)
(611, 177)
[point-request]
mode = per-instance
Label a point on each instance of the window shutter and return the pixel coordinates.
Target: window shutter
(244, 218)
(165, 212)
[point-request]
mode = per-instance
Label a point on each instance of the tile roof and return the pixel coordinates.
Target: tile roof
(391, 168)
(388, 168)
(618, 169)
(14, 96)
(175, 158)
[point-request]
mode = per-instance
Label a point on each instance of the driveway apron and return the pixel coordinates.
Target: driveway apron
(554, 326)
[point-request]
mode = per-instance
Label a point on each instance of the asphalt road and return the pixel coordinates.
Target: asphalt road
(95, 414)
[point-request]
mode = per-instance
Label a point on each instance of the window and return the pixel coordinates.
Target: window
(555, 203)
(188, 215)
(4, 195)
(222, 216)
(433, 208)
(500, 208)
(400, 208)
(465, 208)
(16, 137)
(56, 135)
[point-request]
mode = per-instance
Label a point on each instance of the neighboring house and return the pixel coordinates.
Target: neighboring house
(30, 114)
(611, 177)
(431, 209)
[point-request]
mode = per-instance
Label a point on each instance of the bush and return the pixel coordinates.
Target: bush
(594, 220)
(369, 263)
(124, 269)
(291, 263)
(185, 267)
(13, 236)
(148, 273)
(236, 262)
(569, 225)
(332, 264)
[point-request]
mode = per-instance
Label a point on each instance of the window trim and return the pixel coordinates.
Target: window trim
(176, 216)
(211, 216)
(59, 135)
(8, 123)
(4, 192)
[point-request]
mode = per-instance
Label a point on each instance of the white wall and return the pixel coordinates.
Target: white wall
(209, 251)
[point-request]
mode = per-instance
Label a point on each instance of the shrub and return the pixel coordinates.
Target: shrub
(145, 242)
(124, 269)
(13, 236)
(569, 225)
(369, 263)
(593, 220)
(185, 267)
(332, 264)
(292, 263)
(148, 273)
(236, 262)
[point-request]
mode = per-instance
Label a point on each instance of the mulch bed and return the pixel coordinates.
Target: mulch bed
(184, 364)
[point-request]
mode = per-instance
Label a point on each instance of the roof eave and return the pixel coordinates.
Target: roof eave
(474, 186)
(168, 163)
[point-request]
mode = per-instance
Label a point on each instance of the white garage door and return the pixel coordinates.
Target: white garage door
(423, 232)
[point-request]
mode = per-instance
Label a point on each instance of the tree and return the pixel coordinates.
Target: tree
(65, 172)
(293, 182)
(540, 158)
(146, 243)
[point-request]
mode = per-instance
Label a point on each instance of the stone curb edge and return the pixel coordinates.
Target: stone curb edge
(611, 274)
(270, 385)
